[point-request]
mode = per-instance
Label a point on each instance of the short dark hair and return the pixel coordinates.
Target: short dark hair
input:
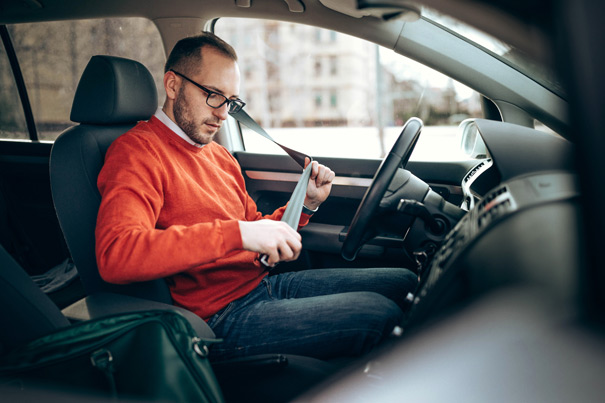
(186, 54)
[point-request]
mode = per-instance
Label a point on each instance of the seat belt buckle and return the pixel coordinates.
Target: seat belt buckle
(264, 259)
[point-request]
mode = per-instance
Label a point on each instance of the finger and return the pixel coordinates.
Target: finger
(288, 244)
(321, 175)
(314, 170)
(307, 160)
(330, 176)
(293, 239)
(273, 257)
(290, 250)
(325, 176)
(295, 243)
(296, 253)
(290, 233)
(293, 255)
(286, 253)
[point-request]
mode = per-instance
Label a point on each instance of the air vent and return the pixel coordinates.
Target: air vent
(496, 204)
(476, 169)
(491, 196)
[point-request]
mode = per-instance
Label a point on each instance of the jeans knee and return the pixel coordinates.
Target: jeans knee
(374, 318)
(378, 312)
(406, 279)
(395, 284)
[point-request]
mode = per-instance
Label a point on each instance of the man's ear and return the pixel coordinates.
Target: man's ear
(171, 85)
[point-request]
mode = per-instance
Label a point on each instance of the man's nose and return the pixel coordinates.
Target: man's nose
(222, 112)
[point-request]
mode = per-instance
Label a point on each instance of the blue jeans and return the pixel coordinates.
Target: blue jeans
(324, 313)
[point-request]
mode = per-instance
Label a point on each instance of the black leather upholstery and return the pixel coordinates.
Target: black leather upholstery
(113, 94)
(27, 313)
(114, 90)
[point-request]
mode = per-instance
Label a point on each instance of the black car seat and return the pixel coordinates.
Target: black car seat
(112, 96)
(26, 313)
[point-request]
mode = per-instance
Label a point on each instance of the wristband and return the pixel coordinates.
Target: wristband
(308, 211)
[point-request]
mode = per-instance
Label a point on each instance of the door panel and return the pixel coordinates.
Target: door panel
(270, 179)
(30, 225)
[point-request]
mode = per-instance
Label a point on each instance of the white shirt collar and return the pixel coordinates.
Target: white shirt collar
(162, 117)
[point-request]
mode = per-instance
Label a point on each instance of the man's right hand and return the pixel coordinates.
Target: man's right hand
(272, 238)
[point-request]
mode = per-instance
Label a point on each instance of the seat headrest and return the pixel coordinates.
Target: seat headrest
(114, 90)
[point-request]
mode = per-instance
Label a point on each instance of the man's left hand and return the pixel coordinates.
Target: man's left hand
(320, 184)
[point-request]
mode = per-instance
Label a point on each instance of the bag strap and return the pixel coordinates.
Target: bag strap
(295, 204)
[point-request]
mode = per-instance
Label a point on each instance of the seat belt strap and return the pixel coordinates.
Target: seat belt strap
(295, 204)
(243, 117)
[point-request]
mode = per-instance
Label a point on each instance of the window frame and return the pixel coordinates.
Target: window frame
(35, 127)
(20, 83)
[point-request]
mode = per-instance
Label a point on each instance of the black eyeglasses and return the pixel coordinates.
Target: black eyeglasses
(214, 99)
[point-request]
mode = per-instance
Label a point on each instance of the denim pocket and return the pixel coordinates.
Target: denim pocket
(268, 287)
(218, 317)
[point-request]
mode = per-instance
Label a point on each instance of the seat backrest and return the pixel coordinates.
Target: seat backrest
(112, 96)
(26, 313)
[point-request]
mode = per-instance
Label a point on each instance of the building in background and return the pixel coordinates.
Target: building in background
(301, 76)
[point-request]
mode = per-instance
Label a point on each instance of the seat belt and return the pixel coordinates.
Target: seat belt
(295, 204)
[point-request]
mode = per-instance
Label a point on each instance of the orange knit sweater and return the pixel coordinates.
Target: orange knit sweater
(171, 210)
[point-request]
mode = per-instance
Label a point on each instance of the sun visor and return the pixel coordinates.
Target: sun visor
(383, 9)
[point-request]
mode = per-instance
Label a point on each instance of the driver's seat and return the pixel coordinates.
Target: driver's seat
(112, 96)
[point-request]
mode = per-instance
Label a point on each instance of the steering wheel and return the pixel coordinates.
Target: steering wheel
(397, 157)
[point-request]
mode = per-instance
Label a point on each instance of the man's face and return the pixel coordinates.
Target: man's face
(191, 112)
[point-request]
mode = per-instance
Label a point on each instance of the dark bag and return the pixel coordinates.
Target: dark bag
(152, 355)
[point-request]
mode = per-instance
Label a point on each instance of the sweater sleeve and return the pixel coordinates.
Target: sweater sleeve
(129, 247)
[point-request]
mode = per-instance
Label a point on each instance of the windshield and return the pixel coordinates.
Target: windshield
(350, 97)
(509, 54)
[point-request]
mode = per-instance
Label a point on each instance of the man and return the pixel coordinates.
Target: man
(174, 206)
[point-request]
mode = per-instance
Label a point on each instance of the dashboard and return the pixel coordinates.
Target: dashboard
(504, 151)
(518, 231)
(522, 199)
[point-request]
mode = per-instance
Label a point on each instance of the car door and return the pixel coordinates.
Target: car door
(343, 101)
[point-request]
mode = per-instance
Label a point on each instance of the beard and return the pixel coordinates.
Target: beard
(183, 118)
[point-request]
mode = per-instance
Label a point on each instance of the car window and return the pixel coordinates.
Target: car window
(12, 118)
(53, 55)
(334, 95)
